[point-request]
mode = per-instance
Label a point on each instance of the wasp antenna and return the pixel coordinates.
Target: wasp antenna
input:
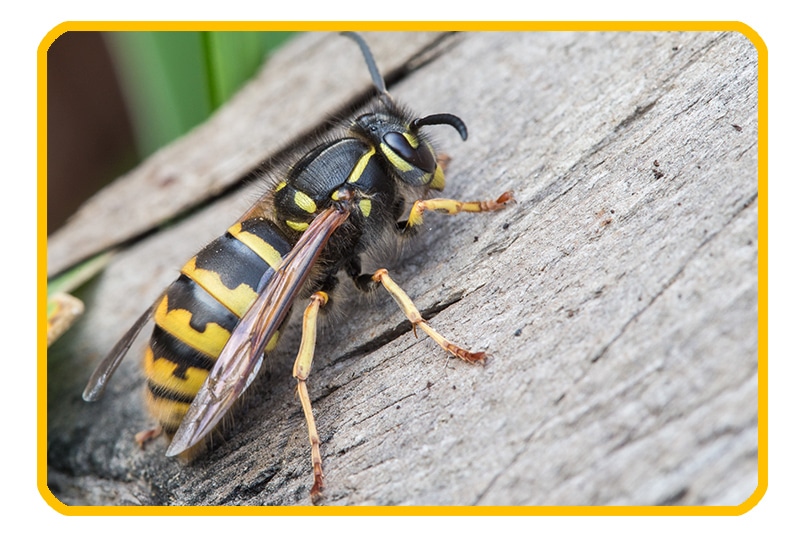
(377, 79)
(442, 118)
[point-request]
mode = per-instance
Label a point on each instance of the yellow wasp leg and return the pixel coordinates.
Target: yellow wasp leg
(302, 368)
(145, 436)
(411, 311)
(451, 207)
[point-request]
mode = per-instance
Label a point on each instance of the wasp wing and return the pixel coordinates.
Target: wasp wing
(244, 351)
(97, 382)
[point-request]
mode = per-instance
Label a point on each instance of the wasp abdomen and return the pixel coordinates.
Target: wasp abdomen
(197, 313)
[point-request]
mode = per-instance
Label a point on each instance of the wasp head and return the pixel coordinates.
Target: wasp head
(402, 144)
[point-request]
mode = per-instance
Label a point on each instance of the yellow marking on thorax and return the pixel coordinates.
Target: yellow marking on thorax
(176, 322)
(299, 226)
(365, 206)
(265, 251)
(236, 300)
(358, 170)
(273, 342)
(305, 202)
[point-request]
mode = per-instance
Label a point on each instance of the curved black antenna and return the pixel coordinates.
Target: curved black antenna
(441, 118)
(377, 79)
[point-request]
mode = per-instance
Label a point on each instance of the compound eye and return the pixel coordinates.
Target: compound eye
(420, 157)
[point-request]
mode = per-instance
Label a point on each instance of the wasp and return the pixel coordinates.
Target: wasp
(216, 322)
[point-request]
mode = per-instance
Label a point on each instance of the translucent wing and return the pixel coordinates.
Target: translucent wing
(99, 379)
(244, 351)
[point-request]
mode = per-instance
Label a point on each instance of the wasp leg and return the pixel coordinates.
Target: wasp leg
(451, 207)
(363, 282)
(302, 368)
(411, 311)
(146, 436)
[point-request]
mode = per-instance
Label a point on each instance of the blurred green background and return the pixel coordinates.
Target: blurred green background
(115, 98)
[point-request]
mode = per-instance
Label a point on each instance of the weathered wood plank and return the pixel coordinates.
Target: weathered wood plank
(618, 299)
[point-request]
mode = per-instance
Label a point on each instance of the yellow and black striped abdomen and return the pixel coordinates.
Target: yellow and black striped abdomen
(198, 311)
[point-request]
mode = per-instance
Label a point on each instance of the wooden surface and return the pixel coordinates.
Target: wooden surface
(617, 298)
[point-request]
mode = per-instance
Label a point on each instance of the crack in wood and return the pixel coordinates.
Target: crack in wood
(638, 113)
(398, 330)
(675, 498)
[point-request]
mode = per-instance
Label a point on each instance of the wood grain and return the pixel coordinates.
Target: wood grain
(617, 298)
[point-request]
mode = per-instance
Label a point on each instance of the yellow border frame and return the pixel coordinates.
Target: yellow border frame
(58, 506)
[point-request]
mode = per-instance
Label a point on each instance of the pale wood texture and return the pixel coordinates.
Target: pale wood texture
(617, 298)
